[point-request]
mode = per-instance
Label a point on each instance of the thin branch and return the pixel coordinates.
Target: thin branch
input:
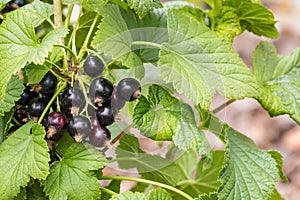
(221, 107)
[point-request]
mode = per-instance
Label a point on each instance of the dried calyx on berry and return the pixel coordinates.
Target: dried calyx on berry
(56, 123)
(21, 115)
(71, 100)
(79, 127)
(129, 89)
(100, 91)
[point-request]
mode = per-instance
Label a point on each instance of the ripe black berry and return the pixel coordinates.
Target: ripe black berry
(21, 115)
(105, 115)
(47, 84)
(129, 89)
(117, 102)
(99, 135)
(36, 107)
(100, 91)
(72, 99)
(93, 66)
(79, 127)
(26, 96)
(56, 123)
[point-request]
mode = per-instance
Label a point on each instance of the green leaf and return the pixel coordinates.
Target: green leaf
(120, 28)
(141, 7)
(279, 163)
(278, 78)
(23, 155)
(114, 185)
(228, 25)
(37, 12)
(210, 196)
(4, 124)
(90, 5)
(72, 177)
(34, 73)
(275, 196)
(159, 194)
(3, 3)
(153, 167)
(129, 196)
(249, 173)
(12, 94)
(19, 45)
(35, 192)
(254, 17)
(63, 144)
(163, 117)
(198, 63)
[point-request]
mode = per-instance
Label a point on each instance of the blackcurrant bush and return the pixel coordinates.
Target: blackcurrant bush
(21, 115)
(99, 136)
(116, 101)
(26, 96)
(56, 123)
(93, 66)
(79, 127)
(129, 89)
(100, 91)
(72, 99)
(36, 107)
(105, 115)
(47, 84)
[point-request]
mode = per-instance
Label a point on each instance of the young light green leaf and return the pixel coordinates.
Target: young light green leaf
(254, 17)
(198, 63)
(11, 95)
(278, 78)
(210, 196)
(159, 194)
(279, 163)
(90, 5)
(120, 28)
(19, 45)
(24, 155)
(129, 196)
(163, 117)
(3, 3)
(228, 25)
(141, 7)
(72, 177)
(249, 173)
(37, 12)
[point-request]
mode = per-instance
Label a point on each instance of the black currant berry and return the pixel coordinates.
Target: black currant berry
(72, 99)
(56, 123)
(100, 91)
(47, 84)
(36, 107)
(20, 3)
(26, 96)
(99, 135)
(93, 66)
(129, 89)
(79, 127)
(21, 115)
(105, 115)
(116, 101)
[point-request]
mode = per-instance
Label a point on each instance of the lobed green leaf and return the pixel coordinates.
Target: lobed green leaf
(159, 194)
(129, 196)
(24, 155)
(278, 78)
(198, 63)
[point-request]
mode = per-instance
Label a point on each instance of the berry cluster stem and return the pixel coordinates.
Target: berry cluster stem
(51, 101)
(140, 180)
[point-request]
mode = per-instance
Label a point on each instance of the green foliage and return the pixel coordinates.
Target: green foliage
(74, 172)
(175, 49)
(23, 155)
(278, 78)
(210, 63)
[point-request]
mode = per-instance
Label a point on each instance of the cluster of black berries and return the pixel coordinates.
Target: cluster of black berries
(12, 5)
(100, 105)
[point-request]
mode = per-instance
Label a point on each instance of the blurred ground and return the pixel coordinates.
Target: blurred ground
(247, 116)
